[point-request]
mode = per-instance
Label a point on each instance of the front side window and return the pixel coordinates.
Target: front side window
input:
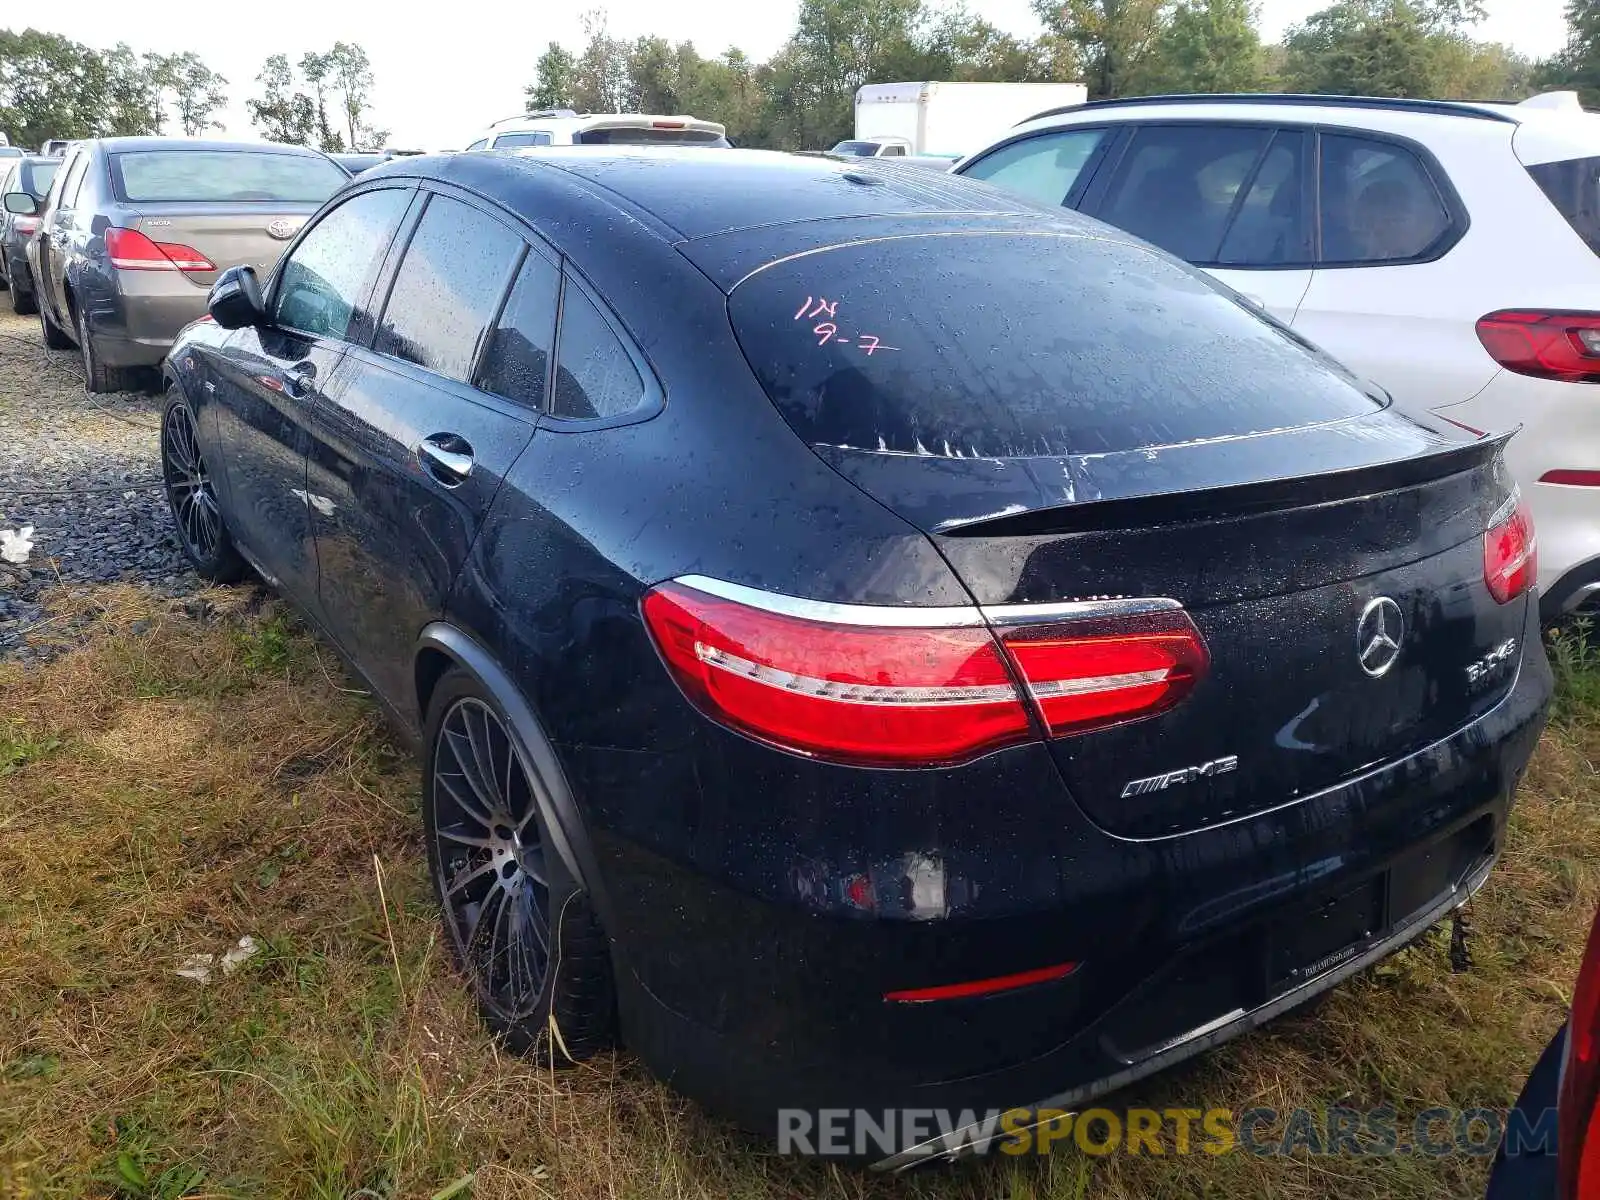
(517, 359)
(74, 180)
(507, 141)
(448, 287)
(41, 176)
(1176, 185)
(322, 284)
(595, 377)
(1379, 204)
(479, 144)
(894, 152)
(1042, 168)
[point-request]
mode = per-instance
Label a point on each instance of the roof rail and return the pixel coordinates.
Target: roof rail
(1397, 104)
(528, 116)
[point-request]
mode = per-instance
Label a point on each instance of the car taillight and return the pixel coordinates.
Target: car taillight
(907, 687)
(1547, 345)
(131, 250)
(1510, 551)
(1578, 1109)
(27, 224)
(1091, 672)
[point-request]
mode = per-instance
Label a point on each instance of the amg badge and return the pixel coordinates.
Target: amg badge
(1159, 783)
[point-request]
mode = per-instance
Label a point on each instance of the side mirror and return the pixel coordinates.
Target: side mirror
(22, 204)
(235, 299)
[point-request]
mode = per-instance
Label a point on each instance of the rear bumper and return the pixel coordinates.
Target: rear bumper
(758, 1006)
(136, 324)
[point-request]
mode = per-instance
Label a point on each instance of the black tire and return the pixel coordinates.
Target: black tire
(97, 376)
(23, 303)
(555, 1003)
(54, 339)
(202, 532)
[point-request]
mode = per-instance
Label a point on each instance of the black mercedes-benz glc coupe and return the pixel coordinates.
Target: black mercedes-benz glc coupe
(874, 645)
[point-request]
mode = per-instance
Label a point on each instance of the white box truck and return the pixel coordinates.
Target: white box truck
(896, 120)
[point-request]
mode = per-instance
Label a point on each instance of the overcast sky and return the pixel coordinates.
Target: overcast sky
(446, 70)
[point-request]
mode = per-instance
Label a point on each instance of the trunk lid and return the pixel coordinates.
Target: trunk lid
(1073, 418)
(228, 234)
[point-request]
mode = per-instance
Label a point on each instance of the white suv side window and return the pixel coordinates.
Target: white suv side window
(1379, 204)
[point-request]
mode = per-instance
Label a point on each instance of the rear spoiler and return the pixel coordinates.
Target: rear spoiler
(1213, 503)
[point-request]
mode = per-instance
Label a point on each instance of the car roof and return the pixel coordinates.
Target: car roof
(698, 194)
(121, 145)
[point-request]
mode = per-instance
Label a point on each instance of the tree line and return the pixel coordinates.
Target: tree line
(53, 87)
(803, 96)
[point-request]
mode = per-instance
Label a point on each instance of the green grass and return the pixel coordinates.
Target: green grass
(180, 783)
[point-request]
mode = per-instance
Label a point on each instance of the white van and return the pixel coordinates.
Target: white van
(563, 127)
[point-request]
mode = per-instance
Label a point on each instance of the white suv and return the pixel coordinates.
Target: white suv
(563, 127)
(1448, 251)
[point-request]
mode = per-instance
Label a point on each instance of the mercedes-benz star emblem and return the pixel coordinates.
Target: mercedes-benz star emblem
(283, 229)
(1378, 635)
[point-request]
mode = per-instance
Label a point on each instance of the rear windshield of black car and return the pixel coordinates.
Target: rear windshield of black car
(1016, 345)
(223, 176)
(648, 137)
(1573, 186)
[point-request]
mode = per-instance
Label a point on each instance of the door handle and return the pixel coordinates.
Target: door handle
(297, 380)
(447, 457)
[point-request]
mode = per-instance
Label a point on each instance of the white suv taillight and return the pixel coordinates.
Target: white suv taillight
(907, 687)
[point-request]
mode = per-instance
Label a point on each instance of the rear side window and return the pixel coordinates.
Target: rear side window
(1176, 185)
(1010, 346)
(1042, 168)
(73, 183)
(517, 359)
(448, 287)
(1379, 204)
(595, 377)
(507, 140)
(241, 176)
(1573, 186)
(479, 144)
(1270, 226)
(322, 284)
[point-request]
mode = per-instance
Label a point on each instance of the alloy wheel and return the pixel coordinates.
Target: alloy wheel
(491, 859)
(194, 502)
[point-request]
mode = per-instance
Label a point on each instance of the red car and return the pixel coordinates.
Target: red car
(1566, 1079)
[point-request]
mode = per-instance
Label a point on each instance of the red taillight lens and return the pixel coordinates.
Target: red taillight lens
(1510, 552)
(131, 250)
(872, 687)
(1547, 345)
(1578, 1109)
(1089, 674)
(27, 224)
(849, 693)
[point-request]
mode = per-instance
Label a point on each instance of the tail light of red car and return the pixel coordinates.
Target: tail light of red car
(1510, 551)
(1578, 1109)
(131, 250)
(899, 687)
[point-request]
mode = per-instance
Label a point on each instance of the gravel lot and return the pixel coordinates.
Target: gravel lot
(84, 471)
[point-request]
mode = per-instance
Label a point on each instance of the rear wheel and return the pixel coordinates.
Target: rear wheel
(97, 376)
(520, 925)
(192, 497)
(22, 301)
(54, 339)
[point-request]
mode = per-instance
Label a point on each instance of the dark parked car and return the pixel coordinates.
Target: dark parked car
(31, 176)
(136, 230)
(887, 646)
(1532, 1165)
